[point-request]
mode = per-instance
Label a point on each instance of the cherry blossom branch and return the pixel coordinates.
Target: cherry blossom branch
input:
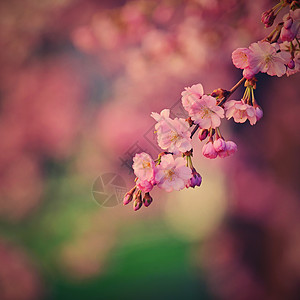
(173, 169)
(194, 130)
(227, 94)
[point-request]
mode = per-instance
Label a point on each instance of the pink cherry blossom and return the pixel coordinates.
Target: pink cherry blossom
(240, 111)
(206, 113)
(209, 151)
(172, 174)
(230, 148)
(164, 115)
(191, 95)
(265, 58)
(173, 135)
(143, 166)
(240, 57)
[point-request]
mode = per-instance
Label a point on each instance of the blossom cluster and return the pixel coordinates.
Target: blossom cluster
(276, 55)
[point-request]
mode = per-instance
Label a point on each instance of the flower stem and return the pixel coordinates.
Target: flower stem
(194, 130)
(231, 91)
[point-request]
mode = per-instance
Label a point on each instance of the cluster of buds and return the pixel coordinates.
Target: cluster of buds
(173, 169)
(135, 195)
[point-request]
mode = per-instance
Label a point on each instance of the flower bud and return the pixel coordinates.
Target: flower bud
(219, 145)
(147, 200)
(195, 180)
(230, 149)
(203, 134)
(291, 64)
(137, 203)
(128, 196)
(268, 18)
(288, 23)
(209, 151)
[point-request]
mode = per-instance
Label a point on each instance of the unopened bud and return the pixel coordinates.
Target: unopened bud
(147, 199)
(268, 18)
(288, 23)
(291, 64)
(128, 196)
(209, 151)
(195, 180)
(219, 145)
(203, 133)
(137, 203)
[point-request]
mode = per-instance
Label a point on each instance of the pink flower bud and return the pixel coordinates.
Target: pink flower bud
(209, 151)
(291, 64)
(288, 23)
(268, 18)
(203, 134)
(219, 145)
(137, 204)
(128, 196)
(230, 149)
(147, 200)
(249, 73)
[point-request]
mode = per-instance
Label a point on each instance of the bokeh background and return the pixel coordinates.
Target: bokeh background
(78, 81)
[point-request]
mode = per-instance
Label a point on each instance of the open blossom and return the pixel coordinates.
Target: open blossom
(206, 113)
(265, 58)
(143, 166)
(191, 95)
(172, 174)
(173, 135)
(291, 26)
(240, 57)
(240, 111)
